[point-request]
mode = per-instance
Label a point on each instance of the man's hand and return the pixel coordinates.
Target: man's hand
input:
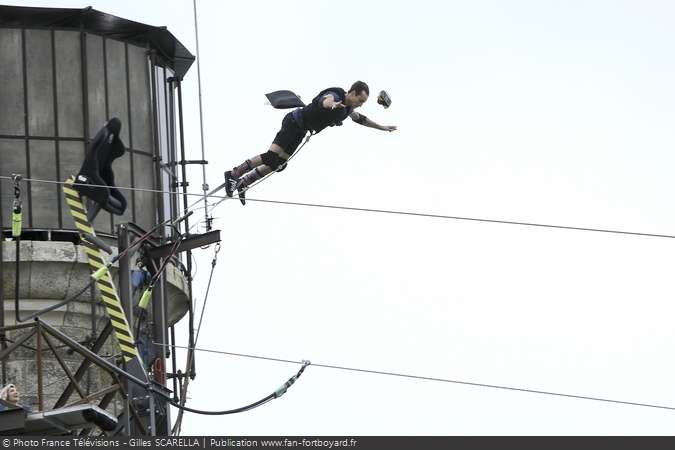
(388, 128)
(338, 105)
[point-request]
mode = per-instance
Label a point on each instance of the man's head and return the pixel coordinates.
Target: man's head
(357, 95)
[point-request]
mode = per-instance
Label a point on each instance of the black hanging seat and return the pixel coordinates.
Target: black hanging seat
(96, 179)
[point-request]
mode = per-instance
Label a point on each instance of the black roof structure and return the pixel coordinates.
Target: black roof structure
(168, 48)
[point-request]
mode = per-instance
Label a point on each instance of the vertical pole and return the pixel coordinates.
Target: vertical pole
(124, 274)
(159, 293)
(130, 131)
(85, 85)
(26, 128)
(160, 330)
(174, 364)
(3, 339)
(205, 187)
(157, 151)
(39, 367)
(187, 223)
(57, 159)
(153, 426)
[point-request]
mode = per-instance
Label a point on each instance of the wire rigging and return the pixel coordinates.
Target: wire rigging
(383, 211)
(283, 389)
(441, 380)
(191, 352)
(274, 395)
(441, 216)
(201, 115)
(295, 153)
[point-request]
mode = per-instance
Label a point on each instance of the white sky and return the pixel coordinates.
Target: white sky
(557, 112)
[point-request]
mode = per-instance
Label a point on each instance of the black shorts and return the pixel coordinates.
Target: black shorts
(290, 136)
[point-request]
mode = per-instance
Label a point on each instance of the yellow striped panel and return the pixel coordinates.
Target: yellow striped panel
(105, 284)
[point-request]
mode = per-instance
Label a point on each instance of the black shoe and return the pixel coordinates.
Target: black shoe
(241, 189)
(230, 183)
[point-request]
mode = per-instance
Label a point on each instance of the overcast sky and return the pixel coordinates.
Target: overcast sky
(543, 112)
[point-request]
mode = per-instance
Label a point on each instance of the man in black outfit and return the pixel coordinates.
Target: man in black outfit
(329, 108)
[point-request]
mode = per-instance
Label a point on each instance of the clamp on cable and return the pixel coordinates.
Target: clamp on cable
(16, 206)
(282, 390)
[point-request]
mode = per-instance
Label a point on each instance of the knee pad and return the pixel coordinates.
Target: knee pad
(271, 160)
(282, 164)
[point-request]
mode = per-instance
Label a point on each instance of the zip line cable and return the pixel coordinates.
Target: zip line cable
(441, 216)
(442, 380)
(403, 213)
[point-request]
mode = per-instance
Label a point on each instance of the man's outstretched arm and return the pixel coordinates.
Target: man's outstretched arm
(366, 122)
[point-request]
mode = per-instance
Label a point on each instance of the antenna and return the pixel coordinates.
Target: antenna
(205, 186)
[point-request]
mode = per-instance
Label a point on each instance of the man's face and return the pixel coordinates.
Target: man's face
(354, 101)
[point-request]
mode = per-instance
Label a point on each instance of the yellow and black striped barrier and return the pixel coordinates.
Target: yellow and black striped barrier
(110, 298)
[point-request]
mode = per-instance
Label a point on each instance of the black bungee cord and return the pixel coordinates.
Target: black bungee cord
(274, 395)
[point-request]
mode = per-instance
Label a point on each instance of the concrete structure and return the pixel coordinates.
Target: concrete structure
(51, 272)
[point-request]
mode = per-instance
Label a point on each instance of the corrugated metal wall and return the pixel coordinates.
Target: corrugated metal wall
(58, 89)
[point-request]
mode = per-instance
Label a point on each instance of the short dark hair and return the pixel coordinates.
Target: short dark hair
(359, 87)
